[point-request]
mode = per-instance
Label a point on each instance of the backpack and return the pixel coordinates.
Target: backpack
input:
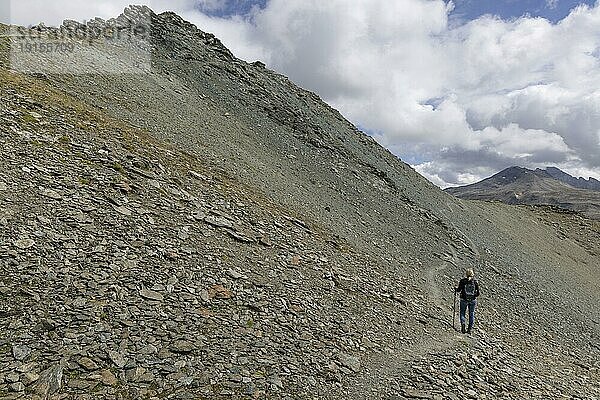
(470, 290)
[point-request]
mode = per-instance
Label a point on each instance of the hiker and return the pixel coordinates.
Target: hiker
(469, 290)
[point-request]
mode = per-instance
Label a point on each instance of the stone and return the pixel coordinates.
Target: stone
(204, 295)
(349, 361)
(146, 377)
(52, 194)
(186, 380)
(3, 186)
(24, 244)
(16, 387)
(182, 346)
(173, 280)
(108, 378)
(240, 237)
(265, 241)
(12, 377)
(117, 358)
(79, 302)
(139, 374)
(123, 210)
(87, 363)
(49, 381)
(29, 377)
(218, 221)
(20, 353)
(151, 295)
(148, 349)
(197, 175)
(417, 394)
(276, 381)
(234, 274)
(80, 384)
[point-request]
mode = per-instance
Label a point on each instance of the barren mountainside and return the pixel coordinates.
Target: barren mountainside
(551, 187)
(208, 230)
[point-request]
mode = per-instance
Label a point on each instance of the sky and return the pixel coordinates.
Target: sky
(459, 89)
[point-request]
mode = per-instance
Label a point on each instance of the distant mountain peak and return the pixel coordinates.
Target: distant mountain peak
(549, 186)
(513, 172)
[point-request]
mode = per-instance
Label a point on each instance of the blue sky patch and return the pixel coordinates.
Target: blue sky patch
(233, 7)
(464, 10)
(552, 10)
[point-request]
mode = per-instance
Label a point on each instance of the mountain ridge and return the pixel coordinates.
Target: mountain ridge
(580, 183)
(551, 186)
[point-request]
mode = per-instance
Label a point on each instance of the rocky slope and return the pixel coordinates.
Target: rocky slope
(550, 187)
(206, 229)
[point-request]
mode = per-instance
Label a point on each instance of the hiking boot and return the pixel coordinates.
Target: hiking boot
(469, 330)
(462, 328)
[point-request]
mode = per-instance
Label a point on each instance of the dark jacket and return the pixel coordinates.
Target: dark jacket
(461, 288)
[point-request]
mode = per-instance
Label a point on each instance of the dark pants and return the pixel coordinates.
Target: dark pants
(463, 309)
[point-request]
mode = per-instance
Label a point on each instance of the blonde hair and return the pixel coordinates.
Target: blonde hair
(469, 273)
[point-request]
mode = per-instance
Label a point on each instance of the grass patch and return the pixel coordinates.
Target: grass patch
(118, 167)
(28, 119)
(64, 139)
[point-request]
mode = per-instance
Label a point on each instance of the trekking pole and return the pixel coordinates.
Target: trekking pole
(454, 311)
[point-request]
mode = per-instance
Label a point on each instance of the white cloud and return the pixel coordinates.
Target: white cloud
(467, 99)
(429, 171)
(551, 4)
(52, 13)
